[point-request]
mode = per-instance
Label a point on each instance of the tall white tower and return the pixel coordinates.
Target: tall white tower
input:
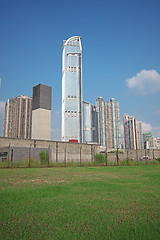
(113, 130)
(72, 90)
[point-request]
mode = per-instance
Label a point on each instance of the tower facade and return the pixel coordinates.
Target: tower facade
(130, 132)
(90, 123)
(18, 117)
(41, 112)
(100, 105)
(72, 114)
(140, 135)
(113, 131)
(109, 132)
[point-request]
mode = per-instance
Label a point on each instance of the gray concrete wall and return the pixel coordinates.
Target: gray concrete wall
(135, 155)
(22, 153)
(60, 151)
(75, 152)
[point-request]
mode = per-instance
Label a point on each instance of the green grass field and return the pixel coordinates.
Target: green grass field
(80, 203)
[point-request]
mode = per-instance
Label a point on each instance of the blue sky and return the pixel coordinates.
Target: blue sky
(121, 53)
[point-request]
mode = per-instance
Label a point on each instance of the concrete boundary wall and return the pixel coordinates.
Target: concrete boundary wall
(135, 155)
(76, 152)
(21, 153)
(59, 151)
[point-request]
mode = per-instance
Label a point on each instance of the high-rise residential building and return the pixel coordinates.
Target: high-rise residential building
(109, 132)
(6, 119)
(100, 105)
(72, 114)
(90, 123)
(130, 132)
(158, 142)
(113, 130)
(146, 137)
(18, 117)
(140, 135)
(41, 112)
(151, 142)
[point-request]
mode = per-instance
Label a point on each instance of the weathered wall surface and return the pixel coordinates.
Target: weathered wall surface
(134, 155)
(71, 152)
(41, 124)
(59, 151)
(21, 153)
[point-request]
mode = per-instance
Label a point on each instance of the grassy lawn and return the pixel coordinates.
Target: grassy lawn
(80, 203)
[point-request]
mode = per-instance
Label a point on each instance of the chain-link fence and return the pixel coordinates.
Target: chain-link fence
(69, 156)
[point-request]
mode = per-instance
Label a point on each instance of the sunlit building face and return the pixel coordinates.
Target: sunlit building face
(72, 90)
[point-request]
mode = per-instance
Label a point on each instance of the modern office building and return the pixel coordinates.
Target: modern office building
(158, 142)
(72, 114)
(130, 132)
(113, 130)
(90, 123)
(109, 132)
(151, 142)
(140, 135)
(18, 117)
(146, 138)
(100, 105)
(41, 112)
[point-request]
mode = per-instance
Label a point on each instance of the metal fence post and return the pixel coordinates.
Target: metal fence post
(153, 157)
(80, 157)
(48, 155)
(56, 152)
(145, 156)
(91, 153)
(8, 154)
(117, 157)
(65, 157)
(94, 157)
(106, 156)
(30, 156)
(137, 156)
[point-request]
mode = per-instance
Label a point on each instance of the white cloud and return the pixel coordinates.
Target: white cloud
(146, 127)
(157, 112)
(146, 82)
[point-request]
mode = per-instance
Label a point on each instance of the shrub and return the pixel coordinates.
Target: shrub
(100, 158)
(127, 162)
(158, 160)
(43, 155)
(115, 151)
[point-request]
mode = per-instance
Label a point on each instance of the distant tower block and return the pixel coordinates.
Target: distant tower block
(41, 112)
(72, 110)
